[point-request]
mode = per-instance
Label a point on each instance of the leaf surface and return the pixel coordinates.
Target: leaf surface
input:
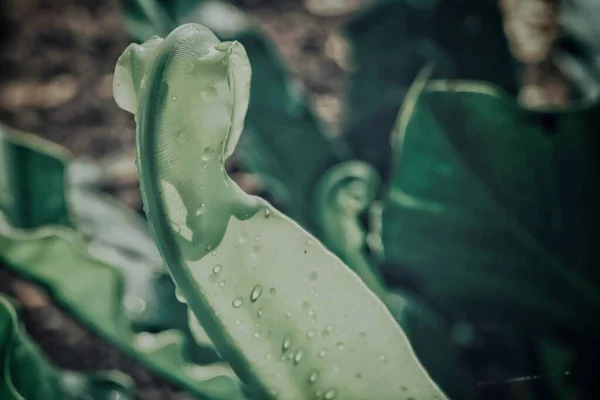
(273, 300)
(492, 207)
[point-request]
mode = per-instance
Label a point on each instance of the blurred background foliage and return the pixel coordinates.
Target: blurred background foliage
(445, 149)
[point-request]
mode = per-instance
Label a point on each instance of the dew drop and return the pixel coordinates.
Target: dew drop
(255, 251)
(256, 292)
(256, 335)
(217, 268)
(286, 344)
(305, 305)
(298, 356)
(209, 94)
(209, 247)
(259, 313)
(237, 322)
(309, 242)
(174, 98)
(322, 353)
(208, 153)
(222, 283)
(312, 276)
(200, 210)
(243, 237)
(272, 291)
(237, 303)
(267, 213)
(341, 346)
(382, 358)
(312, 378)
(330, 394)
(268, 356)
(310, 334)
(288, 314)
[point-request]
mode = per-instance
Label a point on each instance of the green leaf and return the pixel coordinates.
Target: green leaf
(343, 194)
(283, 142)
(26, 164)
(140, 294)
(273, 300)
(25, 374)
(392, 40)
(492, 208)
(46, 255)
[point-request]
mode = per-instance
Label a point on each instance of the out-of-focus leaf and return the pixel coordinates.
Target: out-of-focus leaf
(93, 293)
(25, 374)
(578, 53)
(143, 292)
(26, 164)
(493, 209)
(392, 40)
(284, 142)
(433, 344)
(343, 194)
(271, 298)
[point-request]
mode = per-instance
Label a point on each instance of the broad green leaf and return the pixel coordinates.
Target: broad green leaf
(492, 208)
(25, 374)
(115, 235)
(26, 164)
(93, 293)
(283, 142)
(392, 40)
(290, 317)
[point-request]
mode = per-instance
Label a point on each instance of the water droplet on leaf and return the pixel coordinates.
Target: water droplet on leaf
(237, 303)
(298, 356)
(286, 344)
(208, 153)
(209, 94)
(256, 292)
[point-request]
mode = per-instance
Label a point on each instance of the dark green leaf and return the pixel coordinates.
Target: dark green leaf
(116, 262)
(32, 175)
(25, 374)
(392, 40)
(493, 209)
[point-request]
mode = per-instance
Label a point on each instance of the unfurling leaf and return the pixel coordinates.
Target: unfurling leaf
(289, 316)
